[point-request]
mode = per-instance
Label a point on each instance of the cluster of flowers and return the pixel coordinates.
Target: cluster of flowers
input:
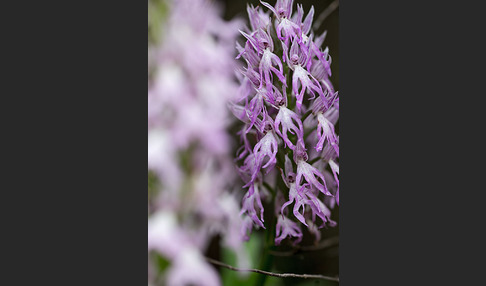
(188, 146)
(278, 127)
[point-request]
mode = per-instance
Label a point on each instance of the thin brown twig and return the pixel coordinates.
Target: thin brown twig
(333, 6)
(281, 275)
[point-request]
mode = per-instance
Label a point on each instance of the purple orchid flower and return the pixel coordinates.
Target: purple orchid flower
(289, 121)
(269, 113)
(312, 176)
(266, 147)
(287, 228)
(283, 11)
(258, 18)
(325, 131)
(251, 199)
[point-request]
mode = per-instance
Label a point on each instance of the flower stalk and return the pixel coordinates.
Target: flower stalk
(288, 107)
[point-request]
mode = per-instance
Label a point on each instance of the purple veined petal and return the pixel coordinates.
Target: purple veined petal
(260, 123)
(289, 29)
(258, 19)
(328, 87)
(264, 125)
(246, 148)
(332, 114)
(308, 83)
(267, 147)
(253, 16)
(331, 184)
(292, 194)
(327, 105)
(270, 7)
(289, 122)
(250, 171)
(297, 17)
(284, 8)
(306, 26)
(299, 53)
(299, 203)
(300, 151)
(267, 68)
(244, 91)
(250, 55)
(334, 102)
(275, 98)
(325, 132)
(255, 108)
(298, 213)
(318, 70)
(325, 58)
(287, 228)
(266, 40)
(253, 76)
(288, 176)
(335, 171)
(309, 174)
(300, 75)
(328, 153)
(260, 40)
(257, 123)
(319, 104)
(295, 88)
(288, 4)
(279, 73)
(316, 86)
(246, 170)
(240, 50)
(250, 39)
(322, 211)
(294, 52)
(239, 112)
(251, 198)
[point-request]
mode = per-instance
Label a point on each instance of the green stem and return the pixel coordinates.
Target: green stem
(266, 261)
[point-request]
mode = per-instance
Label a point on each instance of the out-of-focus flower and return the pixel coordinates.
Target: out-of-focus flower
(287, 228)
(289, 109)
(191, 81)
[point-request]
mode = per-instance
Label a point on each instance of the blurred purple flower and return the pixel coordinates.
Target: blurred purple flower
(190, 87)
(287, 228)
